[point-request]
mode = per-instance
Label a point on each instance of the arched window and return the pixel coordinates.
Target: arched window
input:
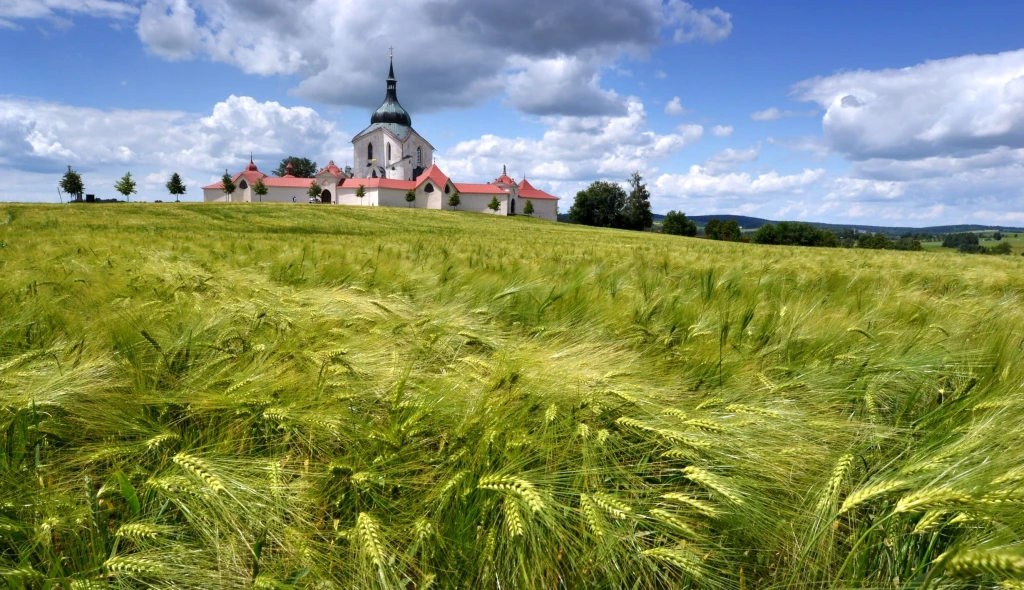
(369, 152)
(243, 185)
(447, 189)
(388, 161)
(419, 157)
(429, 188)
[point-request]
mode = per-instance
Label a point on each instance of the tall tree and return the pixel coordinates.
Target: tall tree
(176, 187)
(229, 185)
(259, 189)
(314, 191)
(71, 183)
(676, 223)
(730, 231)
(126, 186)
(301, 167)
(361, 192)
(528, 209)
(600, 205)
(713, 229)
(494, 205)
(410, 197)
(454, 200)
(637, 212)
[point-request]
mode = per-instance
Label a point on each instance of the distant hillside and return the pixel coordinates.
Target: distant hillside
(752, 223)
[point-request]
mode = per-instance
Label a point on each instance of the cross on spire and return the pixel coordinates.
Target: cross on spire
(391, 52)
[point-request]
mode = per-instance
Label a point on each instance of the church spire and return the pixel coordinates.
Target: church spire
(391, 111)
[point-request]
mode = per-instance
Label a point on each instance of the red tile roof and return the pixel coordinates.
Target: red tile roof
(331, 169)
(379, 183)
(433, 173)
(490, 189)
(527, 191)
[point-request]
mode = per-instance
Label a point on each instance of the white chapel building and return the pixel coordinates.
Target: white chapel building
(389, 159)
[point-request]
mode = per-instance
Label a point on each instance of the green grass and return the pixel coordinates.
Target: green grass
(216, 396)
(1015, 240)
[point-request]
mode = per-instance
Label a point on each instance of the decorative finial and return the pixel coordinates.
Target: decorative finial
(504, 171)
(391, 52)
(250, 158)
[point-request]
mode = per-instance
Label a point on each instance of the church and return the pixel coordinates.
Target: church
(390, 159)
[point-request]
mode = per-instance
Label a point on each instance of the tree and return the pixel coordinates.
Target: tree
(494, 205)
(1001, 248)
(528, 209)
(229, 185)
(361, 192)
(301, 167)
(789, 233)
(454, 201)
(71, 183)
(730, 231)
(713, 229)
(314, 191)
(126, 186)
(997, 236)
(599, 205)
(637, 212)
(410, 197)
(259, 189)
(874, 242)
(176, 187)
(676, 223)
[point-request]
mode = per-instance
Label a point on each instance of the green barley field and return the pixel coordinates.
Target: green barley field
(235, 396)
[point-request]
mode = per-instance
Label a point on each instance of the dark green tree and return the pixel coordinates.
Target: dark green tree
(71, 183)
(176, 187)
(314, 191)
(874, 242)
(599, 205)
(410, 197)
(713, 229)
(528, 209)
(126, 186)
(789, 233)
(229, 185)
(1001, 248)
(455, 200)
(301, 167)
(494, 205)
(677, 224)
(637, 212)
(361, 192)
(997, 236)
(730, 231)
(259, 189)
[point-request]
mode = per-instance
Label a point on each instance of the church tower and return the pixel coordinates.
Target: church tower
(390, 147)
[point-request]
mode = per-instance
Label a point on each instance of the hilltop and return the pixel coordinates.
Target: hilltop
(280, 396)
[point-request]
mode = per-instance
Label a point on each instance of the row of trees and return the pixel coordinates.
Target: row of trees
(969, 244)
(72, 184)
(606, 204)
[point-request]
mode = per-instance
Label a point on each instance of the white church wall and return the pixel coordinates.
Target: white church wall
(478, 202)
(542, 208)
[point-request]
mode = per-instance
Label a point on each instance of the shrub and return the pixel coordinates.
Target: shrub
(676, 223)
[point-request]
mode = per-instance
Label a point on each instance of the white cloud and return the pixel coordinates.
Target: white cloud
(660, 75)
(12, 10)
(675, 107)
(727, 159)
(949, 107)
(45, 137)
(721, 130)
(700, 182)
(545, 58)
(774, 114)
(707, 24)
(573, 149)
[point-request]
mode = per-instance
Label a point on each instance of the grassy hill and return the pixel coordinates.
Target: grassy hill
(214, 396)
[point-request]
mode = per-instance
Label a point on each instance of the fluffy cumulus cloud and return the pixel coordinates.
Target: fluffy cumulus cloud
(951, 107)
(13, 10)
(39, 137)
(675, 107)
(727, 159)
(573, 150)
(721, 130)
(774, 114)
(545, 58)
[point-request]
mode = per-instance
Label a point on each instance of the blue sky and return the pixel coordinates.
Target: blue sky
(906, 113)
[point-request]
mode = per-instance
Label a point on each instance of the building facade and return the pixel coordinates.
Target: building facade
(390, 159)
